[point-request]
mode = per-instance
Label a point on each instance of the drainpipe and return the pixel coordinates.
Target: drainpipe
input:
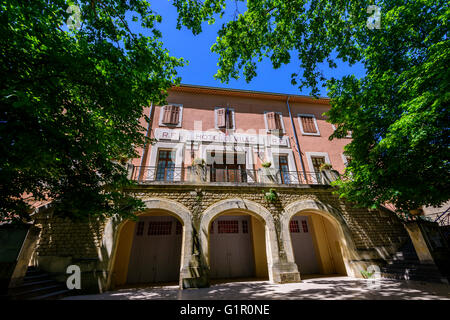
(296, 139)
(144, 151)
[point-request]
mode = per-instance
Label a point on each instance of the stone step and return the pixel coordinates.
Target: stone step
(36, 292)
(35, 277)
(31, 285)
(53, 295)
(416, 277)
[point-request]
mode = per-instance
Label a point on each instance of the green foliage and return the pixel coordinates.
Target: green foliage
(397, 113)
(325, 166)
(270, 196)
(70, 103)
(366, 274)
(266, 164)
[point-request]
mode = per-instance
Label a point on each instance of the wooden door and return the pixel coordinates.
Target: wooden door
(156, 250)
(231, 248)
(302, 243)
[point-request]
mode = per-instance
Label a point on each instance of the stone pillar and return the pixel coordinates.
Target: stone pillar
(196, 273)
(419, 242)
(24, 257)
(284, 269)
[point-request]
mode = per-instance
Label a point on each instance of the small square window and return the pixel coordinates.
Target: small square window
(308, 124)
(294, 227)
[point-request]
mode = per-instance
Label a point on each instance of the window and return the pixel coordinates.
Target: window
(171, 115)
(244, 226)
(140, 228)
(166, 165)
(346, 159)
(274, 122)
(159, 228)
(304, 226)
(308, 125)
(317, 162)
(284, 169)
(224, 118)
(228, 169)
(228, 226)
(294, 227)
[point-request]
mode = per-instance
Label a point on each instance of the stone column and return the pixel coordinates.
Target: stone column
(419, 242)
(285, 269)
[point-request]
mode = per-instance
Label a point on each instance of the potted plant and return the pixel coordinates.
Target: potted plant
(266, 164)
(268, 173)
(328, 174)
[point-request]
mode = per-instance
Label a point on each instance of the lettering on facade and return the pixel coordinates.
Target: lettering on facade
(219, 137)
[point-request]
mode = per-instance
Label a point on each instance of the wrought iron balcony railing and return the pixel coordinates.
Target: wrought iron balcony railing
(208, 174)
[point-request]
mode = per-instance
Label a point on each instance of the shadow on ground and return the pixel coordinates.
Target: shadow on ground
(341, 288)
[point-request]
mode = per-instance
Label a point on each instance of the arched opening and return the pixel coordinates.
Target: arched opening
(149, 251)
(237, 247)
(316, 246)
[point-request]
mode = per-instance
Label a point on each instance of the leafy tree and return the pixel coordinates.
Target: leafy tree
(70, 103)
(397, 113)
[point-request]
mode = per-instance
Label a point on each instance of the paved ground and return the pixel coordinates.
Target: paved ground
(342, 288)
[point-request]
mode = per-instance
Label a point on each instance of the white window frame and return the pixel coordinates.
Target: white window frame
(232, 114)
(274, 152)
(309, 155)
(161, 114)
(344, 159)
(301, 125)
(281, 120)
(179, 156)
(247, 151)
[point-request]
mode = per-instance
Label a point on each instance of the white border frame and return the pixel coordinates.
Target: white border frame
(161, 114)
(301, 125)
(249, 164)
(270, 152)
(215, 118)
(281, 120)
(316, 154)
(179, 156)
(344, 159)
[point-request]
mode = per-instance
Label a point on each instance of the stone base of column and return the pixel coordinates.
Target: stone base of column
(194, 277)
(285, 272)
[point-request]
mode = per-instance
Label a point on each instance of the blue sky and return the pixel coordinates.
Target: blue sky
(203, 63)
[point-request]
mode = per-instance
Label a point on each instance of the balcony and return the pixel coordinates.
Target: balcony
(209, 175)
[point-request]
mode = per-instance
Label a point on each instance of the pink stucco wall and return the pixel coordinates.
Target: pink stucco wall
(199, 104)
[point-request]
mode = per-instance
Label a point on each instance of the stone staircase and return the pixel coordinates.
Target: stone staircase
(38, 285)
(405, 265)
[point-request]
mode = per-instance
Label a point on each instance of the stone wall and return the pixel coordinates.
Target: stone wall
(375, 234)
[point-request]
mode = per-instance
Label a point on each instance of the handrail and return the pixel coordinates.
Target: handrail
(209, 174)
(444, 215)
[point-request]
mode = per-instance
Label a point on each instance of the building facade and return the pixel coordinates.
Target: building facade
(235, 187)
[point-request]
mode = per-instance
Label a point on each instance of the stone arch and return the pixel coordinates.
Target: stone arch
(170, 207)
(250, 207)
(348, 249)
